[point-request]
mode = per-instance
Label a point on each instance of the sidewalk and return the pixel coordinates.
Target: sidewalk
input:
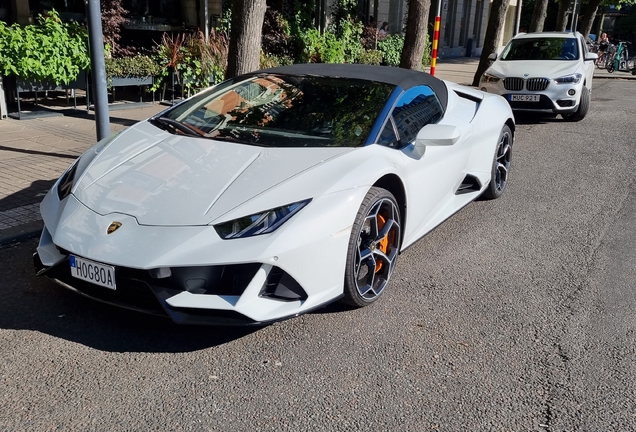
(34, 153)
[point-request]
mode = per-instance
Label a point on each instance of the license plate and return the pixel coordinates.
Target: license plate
(90, 271)
(524, 98)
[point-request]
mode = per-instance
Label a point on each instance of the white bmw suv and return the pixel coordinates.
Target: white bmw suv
(548, 72)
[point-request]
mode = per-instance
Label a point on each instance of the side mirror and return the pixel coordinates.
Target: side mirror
(591, 57)
(492, 57)
(435, 135)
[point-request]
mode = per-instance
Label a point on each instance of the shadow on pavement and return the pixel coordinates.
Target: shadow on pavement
(30, 195)
(522, 118)
(37, 304)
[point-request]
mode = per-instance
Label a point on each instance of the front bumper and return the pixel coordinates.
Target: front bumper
(307, 255)
(554, 99)
(138, 290)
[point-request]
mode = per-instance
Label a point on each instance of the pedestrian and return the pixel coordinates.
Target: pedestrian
(384, 29)
(603, 45)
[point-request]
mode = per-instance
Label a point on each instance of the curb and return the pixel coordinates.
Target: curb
(21, 233)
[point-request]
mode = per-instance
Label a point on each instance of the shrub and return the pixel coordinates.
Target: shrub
(276, 33)
(321, 48)
(47, 51)
(139, 66)
(350, 32)
(271, 61)
(391, 49)
(370, 57)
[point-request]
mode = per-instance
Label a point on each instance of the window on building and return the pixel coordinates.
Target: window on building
(464, 31)
(479, 13)
(449, 22)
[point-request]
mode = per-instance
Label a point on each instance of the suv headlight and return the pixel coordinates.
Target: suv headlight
(569, 79)
(488, 78)
(260, 223)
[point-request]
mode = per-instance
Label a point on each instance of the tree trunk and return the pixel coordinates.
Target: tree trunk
(588, 18)
(244, 51)
(539, 13)
(496, 21)
(415, 38)
(562, 21)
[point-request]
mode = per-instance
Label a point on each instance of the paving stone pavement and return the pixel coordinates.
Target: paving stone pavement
(35, 152)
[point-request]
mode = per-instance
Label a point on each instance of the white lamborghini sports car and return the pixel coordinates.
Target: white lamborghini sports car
(273, 193)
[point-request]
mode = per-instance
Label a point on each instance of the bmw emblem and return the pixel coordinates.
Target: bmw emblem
(114, 226)
(526, 75)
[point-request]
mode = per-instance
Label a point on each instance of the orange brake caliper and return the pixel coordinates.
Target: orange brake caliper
(384, 243)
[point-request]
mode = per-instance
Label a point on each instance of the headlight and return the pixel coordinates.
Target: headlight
(488, 78)
(260, 223)
(569, 79)
(65, 186)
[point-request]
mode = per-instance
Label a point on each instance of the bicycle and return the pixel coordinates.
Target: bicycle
(603, 59)
(620, 60)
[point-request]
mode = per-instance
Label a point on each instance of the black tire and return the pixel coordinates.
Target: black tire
(373, 248)
(584, 106)
(500, 165)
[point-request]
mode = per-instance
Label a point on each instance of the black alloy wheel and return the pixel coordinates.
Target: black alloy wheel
(500, 165)
(373, 248)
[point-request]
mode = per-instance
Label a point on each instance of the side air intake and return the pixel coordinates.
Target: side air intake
(469, 184)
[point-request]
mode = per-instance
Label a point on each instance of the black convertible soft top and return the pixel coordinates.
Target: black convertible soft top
(404, 78)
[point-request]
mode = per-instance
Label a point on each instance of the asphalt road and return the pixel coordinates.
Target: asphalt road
(514, 315)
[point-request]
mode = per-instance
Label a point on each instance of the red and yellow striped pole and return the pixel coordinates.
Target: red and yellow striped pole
(438, 20)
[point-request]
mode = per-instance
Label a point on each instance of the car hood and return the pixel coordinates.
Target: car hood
(165, 179)
(534, 68)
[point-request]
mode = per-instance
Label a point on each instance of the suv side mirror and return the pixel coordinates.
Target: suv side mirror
(591, 57)
(492, 57)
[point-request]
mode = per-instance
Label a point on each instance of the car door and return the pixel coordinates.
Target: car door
(431, 177)
(588, 66)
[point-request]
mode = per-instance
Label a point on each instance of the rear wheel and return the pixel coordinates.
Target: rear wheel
(584, 106)
(500, 165)
(373, 248)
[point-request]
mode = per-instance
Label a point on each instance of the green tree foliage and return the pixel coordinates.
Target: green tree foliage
(47, 51)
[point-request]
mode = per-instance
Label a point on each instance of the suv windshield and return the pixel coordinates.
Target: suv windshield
(541, 49)
(285, 111)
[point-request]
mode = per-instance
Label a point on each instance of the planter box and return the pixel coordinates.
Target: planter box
(22, 85)
(130, 81)
(33, 85)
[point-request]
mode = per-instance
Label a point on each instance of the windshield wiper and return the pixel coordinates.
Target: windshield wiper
(167, 123)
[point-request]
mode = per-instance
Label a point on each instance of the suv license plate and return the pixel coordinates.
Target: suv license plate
(90, 271)
(524, 98)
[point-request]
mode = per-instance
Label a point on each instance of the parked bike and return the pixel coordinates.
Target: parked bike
(620, 61)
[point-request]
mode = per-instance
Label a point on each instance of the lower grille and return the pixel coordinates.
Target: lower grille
(565, 103)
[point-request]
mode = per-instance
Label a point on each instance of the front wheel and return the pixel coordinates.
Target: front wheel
(584, 106)
(500, 165)
(373, 248)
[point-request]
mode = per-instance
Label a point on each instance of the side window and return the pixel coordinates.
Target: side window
(415, 109)
(584, 45)
(387, 137)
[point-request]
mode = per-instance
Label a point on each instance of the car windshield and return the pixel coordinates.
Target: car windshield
(277, 110)
(541, 49)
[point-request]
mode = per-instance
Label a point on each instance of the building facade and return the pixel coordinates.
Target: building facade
(463, 22)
